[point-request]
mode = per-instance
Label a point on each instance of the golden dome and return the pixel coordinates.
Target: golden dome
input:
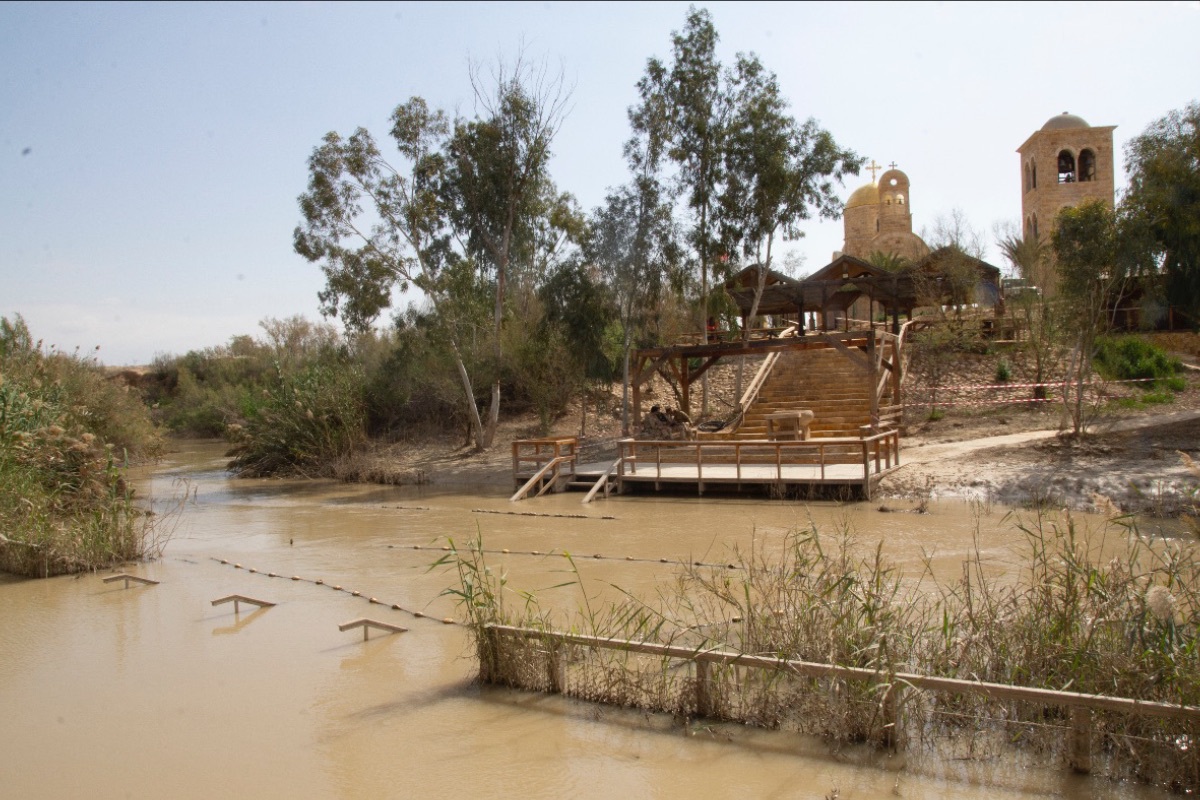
(863, 196)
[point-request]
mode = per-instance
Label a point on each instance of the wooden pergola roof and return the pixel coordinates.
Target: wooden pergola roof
(837, 285)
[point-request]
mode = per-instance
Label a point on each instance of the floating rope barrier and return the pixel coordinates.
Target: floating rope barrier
(352, 592)
(447, 549)
(566, 554)
(537, 514)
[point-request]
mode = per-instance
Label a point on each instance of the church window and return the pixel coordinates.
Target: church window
(1087, 166)
(1034, 174)
(1028, 185)
(1066, 167)
(1035, 230)
(899, 199)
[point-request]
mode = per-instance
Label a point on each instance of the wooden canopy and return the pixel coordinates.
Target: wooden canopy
(946, 275)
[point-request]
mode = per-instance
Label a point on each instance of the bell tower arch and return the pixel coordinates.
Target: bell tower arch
(1077, 166)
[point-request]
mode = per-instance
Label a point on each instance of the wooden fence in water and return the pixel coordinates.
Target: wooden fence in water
(890, 688)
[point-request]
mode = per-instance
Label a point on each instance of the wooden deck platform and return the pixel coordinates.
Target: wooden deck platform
(779, 468)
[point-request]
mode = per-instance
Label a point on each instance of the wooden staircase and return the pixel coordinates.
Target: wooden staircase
(825, 381)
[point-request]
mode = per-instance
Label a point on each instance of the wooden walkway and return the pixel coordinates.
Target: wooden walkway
(779, 468)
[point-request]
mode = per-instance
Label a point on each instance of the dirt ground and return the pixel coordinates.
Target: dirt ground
(1012, 455)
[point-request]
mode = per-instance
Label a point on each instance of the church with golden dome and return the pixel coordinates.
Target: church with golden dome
(878, 219)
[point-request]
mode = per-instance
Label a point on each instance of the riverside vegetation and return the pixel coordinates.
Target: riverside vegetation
(65, 431)
(1108, 612)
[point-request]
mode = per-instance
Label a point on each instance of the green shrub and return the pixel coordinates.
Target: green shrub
(1003, 372)
(64, 429)
(1125, 358)
(307, 419)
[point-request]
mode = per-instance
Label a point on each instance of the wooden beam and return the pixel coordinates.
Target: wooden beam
(703, 368)
(859, 359)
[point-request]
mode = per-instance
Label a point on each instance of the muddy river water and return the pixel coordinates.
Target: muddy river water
(151, 691)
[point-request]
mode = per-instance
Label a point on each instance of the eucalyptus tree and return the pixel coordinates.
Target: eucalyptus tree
(778, 173)
(374, 227)
(694, 98)
(465, 198)
(498, 179)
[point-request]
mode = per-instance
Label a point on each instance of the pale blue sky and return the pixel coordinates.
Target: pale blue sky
(151, 155)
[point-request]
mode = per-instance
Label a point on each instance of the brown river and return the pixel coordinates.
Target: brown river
(151, 691)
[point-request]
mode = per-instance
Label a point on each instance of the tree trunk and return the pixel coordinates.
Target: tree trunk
(625, 389)
(469, 391)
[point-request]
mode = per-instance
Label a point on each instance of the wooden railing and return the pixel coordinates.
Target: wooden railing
(602, 482)
(760, 378)
(890, 685)
(550, 454)
(875, 453)
(548, 475)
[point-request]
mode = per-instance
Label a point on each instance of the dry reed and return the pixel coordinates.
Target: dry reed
(1075, 619)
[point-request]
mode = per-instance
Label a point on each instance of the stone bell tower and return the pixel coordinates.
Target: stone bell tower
(1065, 163)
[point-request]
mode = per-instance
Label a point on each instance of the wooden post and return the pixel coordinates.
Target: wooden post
(1080, 748)
(685, 380)
(703, 689)
(892, 729)
(556, 667)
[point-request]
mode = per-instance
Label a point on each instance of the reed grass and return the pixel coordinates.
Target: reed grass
(65, 433)
(1074, 618)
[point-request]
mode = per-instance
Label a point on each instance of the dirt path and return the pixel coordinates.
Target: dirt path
(1129, 464)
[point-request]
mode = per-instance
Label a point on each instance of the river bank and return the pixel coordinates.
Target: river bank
(1130, 462)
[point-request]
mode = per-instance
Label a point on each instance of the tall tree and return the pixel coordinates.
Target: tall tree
(778, 172)
(498, 174)
(1164, 199)
(634, 242)
(1090, 263)
(374, 228)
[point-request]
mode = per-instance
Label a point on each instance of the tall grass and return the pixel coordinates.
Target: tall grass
(1105, 612)
(65, 430)
(305, 421)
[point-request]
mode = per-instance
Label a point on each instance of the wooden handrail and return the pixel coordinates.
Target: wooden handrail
(552, 464)
(241, 598)
(367, 624)
(760, 377)
(882, 448)
(601, 481)
(127, 578)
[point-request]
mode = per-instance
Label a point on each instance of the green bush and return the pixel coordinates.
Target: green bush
(1003, 372)
(1126, 358)
(64, 429)
(306, 420)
